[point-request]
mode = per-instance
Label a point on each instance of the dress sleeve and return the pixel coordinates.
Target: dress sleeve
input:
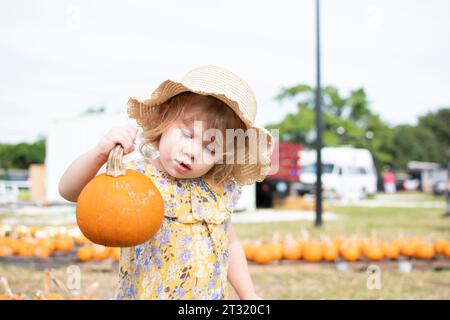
(234, 192)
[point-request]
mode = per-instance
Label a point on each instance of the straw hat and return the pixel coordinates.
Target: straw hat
(233, 91)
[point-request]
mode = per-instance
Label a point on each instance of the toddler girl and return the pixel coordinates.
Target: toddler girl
(192, 127)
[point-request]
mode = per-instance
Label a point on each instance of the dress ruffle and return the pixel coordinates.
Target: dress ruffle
(201, 201)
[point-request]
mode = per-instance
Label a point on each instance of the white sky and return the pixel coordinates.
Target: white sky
(57, 59)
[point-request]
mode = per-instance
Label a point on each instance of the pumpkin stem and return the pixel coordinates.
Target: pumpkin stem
(115, 166)
(8, 290)
(61, 286)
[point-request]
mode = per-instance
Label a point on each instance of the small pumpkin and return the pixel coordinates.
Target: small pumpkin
(263, 254)
(391, 250)
(276, 247)
(100, 252)
(350, 251)
(42, 252)
(119, 208)
(115, 254)
(15, 245)
(409, 248)
(446, 249)
(249, 250)
(81, 239)
(330, 251)
(373, 249)
(424, 251)
(84, 253)
(439, 245)
(64, 243)
(27, 248)
(292, 249)
(5, 251)
(312, 251)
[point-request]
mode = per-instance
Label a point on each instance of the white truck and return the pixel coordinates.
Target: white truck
(347, 172)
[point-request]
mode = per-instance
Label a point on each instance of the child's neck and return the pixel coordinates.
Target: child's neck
(157, 163)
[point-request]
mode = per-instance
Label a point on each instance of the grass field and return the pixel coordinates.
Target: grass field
(308, 281)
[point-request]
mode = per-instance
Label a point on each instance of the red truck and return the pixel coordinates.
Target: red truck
(284, 172)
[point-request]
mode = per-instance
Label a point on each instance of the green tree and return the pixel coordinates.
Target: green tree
(21, 155)
(347, 120)
(413, 143)
(439, 124)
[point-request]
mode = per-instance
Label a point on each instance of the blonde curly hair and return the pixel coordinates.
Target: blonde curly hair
(217, 115)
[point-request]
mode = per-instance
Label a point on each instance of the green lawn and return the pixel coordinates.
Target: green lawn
(386, 222)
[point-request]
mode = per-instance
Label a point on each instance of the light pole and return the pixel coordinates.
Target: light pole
(447, 193)
(318, 109)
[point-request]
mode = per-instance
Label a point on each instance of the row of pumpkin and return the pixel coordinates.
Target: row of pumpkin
(45, 248)
(43, 242)
(349, 249)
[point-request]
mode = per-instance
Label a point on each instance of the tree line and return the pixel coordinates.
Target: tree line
(349, 120)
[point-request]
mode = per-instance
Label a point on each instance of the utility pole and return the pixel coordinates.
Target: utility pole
(318, 109)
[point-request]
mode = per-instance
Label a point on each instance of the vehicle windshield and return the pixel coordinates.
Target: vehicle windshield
(326, 168)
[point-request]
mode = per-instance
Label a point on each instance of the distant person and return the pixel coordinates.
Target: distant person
(196, 249)
(389, 181)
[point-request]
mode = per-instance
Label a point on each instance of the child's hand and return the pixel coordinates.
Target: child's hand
(125, 136)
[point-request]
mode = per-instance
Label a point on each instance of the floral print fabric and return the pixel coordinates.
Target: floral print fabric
(188, 257)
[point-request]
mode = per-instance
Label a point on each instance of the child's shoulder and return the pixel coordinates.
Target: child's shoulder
(135, 161)
(230, 190)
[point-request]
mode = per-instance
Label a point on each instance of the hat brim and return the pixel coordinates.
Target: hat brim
(253, 170)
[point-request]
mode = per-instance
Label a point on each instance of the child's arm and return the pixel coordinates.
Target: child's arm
(238, 273)
(83, 169)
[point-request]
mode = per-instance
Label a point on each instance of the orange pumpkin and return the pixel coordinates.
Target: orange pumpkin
(292, 249)
(64, 243)
(115, 254)
(249, 250)
(5, 251)
(330, 251)
(27, 248)
(42, 251)
(100, 252)
(263, 254)
(120, 208)
(424, 251)
(276, 247)
(439, 245)
(409, 248)
(350, 251)
(84, 253)
(15, 245)
(81, 239)
(48, 244)
(312, 251)
(446, 249)
(373, 250)
(398, 243)
(391, 250)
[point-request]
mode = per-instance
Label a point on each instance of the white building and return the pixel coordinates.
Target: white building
(70, 138)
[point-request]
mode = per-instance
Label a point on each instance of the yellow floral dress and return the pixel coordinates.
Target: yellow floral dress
(188, 257)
